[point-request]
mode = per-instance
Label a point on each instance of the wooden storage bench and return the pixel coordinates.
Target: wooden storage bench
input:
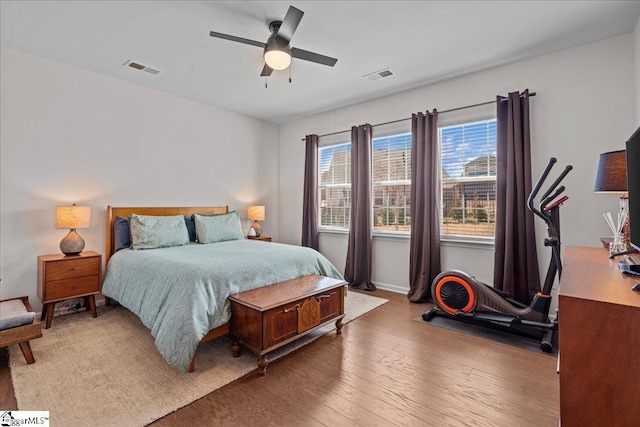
(266, 318)
(18, 325)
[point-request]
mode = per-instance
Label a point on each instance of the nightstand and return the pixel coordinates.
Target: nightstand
(261, 238)
(62, 277)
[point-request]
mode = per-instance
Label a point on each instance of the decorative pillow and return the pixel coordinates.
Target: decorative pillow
(191, 224)
(121, 234)
(150, 232)
(218, 228)
(191, 227)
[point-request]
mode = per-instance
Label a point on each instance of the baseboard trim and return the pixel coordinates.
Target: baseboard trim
(391, 288)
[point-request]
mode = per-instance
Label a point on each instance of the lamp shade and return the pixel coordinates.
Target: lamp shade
(73, 216)
(612, 172)
(255, 213)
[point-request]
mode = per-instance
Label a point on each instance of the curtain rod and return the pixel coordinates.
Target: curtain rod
(409, 118)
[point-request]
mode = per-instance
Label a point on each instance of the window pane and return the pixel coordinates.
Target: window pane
(392, 183)
(468, 175)
(334, 185)
(468, 156)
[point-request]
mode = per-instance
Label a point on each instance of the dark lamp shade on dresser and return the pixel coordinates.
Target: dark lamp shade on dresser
(612, 172)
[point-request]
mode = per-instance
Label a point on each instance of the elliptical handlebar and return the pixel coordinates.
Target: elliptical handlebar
(545, 202)
(551, 192)
(557, 181)
(536, 188)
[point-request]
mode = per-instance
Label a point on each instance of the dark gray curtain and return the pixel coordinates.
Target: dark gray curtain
(516, 260)
(310, 198)
(424, 256)
(358, 266)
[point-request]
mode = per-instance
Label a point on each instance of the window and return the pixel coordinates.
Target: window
(391, 170)
(468, 176)
(334, 185)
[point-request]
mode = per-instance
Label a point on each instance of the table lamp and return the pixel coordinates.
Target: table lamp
(612, 178)
(72, 217)
(256, 213)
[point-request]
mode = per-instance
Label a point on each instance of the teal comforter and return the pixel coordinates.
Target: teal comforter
(180, 293)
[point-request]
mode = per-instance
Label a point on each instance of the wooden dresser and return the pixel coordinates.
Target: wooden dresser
(599, 341)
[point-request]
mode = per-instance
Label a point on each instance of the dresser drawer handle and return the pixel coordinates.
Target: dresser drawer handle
(296, 307)
(74, 268)
(74, 286)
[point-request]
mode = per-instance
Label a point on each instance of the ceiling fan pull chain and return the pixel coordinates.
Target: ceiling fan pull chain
(265, 81)
(290, 67)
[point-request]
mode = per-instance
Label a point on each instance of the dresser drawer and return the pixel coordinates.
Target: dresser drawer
(65, 269)
(70, 288)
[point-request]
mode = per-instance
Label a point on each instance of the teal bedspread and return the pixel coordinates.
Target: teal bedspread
(180, 293)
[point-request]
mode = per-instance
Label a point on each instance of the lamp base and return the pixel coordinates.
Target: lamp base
(72, 244)
(256, 227)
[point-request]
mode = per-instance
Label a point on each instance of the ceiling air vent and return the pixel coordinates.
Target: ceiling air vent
(379, 75)
(142, 67)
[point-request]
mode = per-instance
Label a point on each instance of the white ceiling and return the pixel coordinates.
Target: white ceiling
(422, 42)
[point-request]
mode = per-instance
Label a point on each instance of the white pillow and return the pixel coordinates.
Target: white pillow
(151, 232)
(218, 228)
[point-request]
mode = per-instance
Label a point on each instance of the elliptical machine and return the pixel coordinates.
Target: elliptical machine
(461, 296)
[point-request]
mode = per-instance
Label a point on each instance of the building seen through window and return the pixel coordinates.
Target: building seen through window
(468, 179)
(468, 182)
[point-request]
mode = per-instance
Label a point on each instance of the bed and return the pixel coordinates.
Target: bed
(181, 292)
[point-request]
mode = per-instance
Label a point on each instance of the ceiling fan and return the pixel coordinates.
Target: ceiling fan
(277, 50)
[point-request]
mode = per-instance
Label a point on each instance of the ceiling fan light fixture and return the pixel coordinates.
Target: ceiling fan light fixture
(278, 52)
(277, 59)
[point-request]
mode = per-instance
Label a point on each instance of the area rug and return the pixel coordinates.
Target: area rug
(497, 335)
(107, 371)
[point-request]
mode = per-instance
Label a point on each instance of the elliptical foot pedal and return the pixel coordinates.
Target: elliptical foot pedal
(501, 318)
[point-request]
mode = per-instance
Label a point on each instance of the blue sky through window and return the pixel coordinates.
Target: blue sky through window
(326, 154)
(464, 143)
(459, 145)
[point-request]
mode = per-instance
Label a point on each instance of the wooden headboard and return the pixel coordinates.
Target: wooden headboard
(113, 212)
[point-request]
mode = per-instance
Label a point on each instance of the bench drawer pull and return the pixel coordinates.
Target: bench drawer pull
(295, 307)
(321, 297)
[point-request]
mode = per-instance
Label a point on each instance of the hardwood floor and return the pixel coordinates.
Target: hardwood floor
(386, 369)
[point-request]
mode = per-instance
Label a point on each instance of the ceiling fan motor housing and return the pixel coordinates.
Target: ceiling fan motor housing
(279, 48)
(276, 42)
(274, 26)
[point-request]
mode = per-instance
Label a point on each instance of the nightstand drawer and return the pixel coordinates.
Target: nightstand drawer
(70, 288)
(66, 269)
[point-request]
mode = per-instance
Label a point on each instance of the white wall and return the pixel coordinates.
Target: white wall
(584, 106)
(72, 136)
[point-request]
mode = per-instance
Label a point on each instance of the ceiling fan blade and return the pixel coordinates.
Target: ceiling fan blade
(290, 23)
(266, 71)
(236, 39)
(313, 57)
